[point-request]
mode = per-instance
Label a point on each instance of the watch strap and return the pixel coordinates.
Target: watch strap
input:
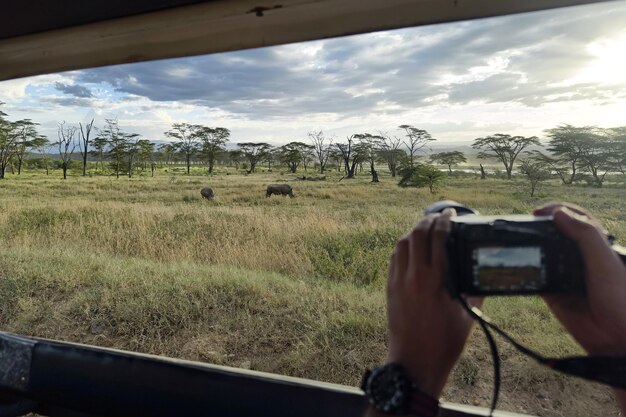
(422, 405)
(416, 403)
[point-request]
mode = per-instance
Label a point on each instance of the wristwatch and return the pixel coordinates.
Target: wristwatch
(390, 390)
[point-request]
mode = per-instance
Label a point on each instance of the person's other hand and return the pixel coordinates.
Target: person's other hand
(598, 319)
(428, 329)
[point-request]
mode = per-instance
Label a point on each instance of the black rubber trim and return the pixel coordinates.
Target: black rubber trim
(71, 380)
(25, 17)
(105, 383)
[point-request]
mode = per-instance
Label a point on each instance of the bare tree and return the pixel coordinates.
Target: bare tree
(66, 144)
(321, 147)
(83, 143)
(416, 139)
(350, 155)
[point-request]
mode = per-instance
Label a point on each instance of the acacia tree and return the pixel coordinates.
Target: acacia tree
(41, 144)
(116, 141)
(166, 151)
(234, 158)
(132, 147)
(99, 146)
(536, 170)
(254, 152)
(416, 140)
(420, 175)
(271, 156)
(83, 143)
(617, 144)
(308, 153)
(449, 159)
(597, 157)
(321, 147)
(66, 145)
(188, 142)
(336, 156)
(390, 151)
(145, 154)
(291, 155)
(368, 148)
(578, 149)
(505, 148)
(212, 142)
(8, 142)
(565, 145)
(26, 135)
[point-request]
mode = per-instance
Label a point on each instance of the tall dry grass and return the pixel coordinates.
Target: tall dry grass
(291, 286)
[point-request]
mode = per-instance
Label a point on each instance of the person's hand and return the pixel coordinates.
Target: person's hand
(427, 328)
(596, 320)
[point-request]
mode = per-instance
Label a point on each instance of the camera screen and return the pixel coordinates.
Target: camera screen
(509, 268)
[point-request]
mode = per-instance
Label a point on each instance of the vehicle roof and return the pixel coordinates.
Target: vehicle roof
(38, 36)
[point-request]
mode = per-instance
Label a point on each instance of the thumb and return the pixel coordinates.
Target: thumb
(592, 243)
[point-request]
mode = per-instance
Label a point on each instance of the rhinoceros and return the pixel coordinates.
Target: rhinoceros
(279, 189)
(207, 193)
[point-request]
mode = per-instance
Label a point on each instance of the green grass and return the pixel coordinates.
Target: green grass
(292, 286)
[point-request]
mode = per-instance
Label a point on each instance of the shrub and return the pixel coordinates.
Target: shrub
(420, 175)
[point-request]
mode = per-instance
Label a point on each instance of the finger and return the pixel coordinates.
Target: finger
(566, 303)
(419, 243)
(402, 256)
(439, 236)
(397, 265)
(391, 273)
(549, 209)
(592, 243)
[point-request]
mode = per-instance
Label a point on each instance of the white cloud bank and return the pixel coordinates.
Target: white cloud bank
(516, 74)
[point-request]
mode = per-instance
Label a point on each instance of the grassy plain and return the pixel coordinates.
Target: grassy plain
(291, 286)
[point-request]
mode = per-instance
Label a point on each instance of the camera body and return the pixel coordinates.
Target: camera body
(511, 255)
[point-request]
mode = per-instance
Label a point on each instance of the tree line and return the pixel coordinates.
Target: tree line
(571, 153)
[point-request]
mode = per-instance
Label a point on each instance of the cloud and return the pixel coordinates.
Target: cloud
(68, 101)
(516, 58)
(74, 90)
(453, 77)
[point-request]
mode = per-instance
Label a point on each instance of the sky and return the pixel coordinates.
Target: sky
(516, 74)
(513, 257)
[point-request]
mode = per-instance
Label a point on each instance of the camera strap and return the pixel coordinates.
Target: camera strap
(609, 370)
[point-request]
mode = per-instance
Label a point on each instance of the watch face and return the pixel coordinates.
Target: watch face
(389, 388)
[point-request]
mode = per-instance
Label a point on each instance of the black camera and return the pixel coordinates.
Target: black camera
(511, 255)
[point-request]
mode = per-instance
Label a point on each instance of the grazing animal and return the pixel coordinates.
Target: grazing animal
(279, 189)
(207, 193)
